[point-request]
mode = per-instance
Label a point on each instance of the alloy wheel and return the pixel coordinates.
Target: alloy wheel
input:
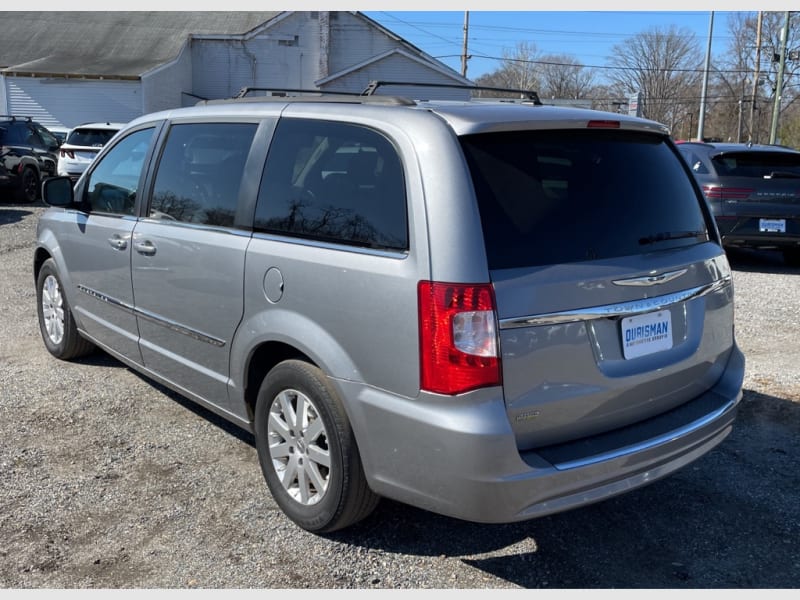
(298, 446)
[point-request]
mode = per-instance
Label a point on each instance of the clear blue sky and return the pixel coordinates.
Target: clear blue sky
(587, 35)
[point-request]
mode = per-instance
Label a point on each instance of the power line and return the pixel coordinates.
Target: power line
(607, 67)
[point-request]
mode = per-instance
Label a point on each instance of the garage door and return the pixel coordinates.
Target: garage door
(70, 102)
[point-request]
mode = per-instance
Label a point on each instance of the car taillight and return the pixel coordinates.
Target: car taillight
(715, 192)
(457, 337)
(65, 153)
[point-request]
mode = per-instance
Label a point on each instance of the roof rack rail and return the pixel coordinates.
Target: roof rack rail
(247, 89)
(17, 117)
(529, 95)
(306, 95)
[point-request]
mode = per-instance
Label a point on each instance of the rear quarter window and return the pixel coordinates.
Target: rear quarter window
(548, 197)
(694, 161)
(333, 182)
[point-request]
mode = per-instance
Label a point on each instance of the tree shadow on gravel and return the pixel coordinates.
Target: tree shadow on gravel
(726, 520)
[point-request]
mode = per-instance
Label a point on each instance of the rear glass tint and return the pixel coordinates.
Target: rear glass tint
(95, 138)
(757, 164)
(549, 197)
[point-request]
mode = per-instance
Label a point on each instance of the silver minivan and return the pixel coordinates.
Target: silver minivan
(492, 311)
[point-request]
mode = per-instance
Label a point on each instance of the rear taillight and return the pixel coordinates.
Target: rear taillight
(457, 337)
(715, 192)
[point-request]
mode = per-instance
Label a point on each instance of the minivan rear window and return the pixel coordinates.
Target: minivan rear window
(548, 197)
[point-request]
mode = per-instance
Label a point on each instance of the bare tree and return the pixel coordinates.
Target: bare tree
(664, 64)
(737, 67)
(563, 76)
(519, 70)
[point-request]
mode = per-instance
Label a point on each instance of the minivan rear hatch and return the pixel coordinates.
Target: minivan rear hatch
(613, 293)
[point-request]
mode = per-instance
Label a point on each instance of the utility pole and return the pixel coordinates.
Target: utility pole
(776, 108)
(756, 77)
(739, 127)
(702, 117)
(464, 52)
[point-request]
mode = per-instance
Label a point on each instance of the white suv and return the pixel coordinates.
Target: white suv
(82, 145)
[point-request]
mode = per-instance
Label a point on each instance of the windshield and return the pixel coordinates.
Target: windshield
(549, 197)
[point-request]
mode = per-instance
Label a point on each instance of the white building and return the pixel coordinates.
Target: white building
(66, 68)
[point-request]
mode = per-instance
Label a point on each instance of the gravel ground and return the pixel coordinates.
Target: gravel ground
(108, 480)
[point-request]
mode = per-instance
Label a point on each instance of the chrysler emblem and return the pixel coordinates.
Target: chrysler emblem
(651, 279)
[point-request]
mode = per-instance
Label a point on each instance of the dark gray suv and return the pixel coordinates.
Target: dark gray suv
(753, 191)
(28, 155)
(492, 311)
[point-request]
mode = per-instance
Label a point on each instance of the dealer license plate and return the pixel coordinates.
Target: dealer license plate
(645, 334)
(772, 225)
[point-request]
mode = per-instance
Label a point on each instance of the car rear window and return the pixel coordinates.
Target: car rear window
(757, 164)
(548, 197)
(90, 137)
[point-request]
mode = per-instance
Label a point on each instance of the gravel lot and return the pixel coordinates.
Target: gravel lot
(108, 480)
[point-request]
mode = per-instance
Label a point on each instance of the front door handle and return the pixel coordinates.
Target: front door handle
(146, 247)
(117, 242)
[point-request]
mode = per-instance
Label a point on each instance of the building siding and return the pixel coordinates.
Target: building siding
(295, 51)
(353, 41)
(70, 102)
(397, 67)
(286, 55)
(169, 86)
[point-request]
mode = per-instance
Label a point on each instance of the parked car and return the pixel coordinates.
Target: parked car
(82, 145)
(60, 133)
(27, 156)
(754, 193)
(492, 311)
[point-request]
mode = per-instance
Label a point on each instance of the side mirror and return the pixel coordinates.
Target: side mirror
(57, 191)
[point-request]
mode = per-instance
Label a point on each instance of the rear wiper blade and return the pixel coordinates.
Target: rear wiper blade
(782, 175)
(672, 235)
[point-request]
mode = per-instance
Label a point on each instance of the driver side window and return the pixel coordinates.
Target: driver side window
(114, 181)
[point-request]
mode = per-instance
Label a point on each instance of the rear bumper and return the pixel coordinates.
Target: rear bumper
(744, 232)
(458, 457)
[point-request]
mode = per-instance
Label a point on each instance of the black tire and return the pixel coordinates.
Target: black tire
(791, 256)
(56, 324)
(28, 190)
(343, 498)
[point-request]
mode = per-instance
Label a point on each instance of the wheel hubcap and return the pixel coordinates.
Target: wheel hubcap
(53, 309)
(298, 446)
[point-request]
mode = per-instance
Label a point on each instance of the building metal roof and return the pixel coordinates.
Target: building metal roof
(119, 45)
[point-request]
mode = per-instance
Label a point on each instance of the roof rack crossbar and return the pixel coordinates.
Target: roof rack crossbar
(526, 94)
(17, 117)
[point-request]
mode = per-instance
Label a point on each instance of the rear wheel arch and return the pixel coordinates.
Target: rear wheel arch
(262, 360)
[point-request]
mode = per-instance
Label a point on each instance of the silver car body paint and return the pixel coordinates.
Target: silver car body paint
(198, 308)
